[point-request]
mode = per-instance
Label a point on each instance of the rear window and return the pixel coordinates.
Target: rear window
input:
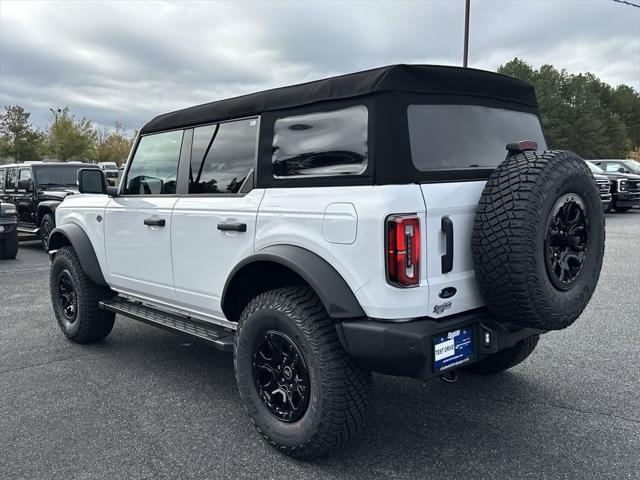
(445, 137)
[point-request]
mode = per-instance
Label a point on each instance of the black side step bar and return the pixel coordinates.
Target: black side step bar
(220, 337)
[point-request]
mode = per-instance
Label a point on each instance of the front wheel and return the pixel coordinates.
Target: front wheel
(46, 227)
(302, 391)
(75, 298)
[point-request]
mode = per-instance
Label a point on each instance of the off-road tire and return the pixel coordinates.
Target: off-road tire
(510, 230)
(47, 224)
(340, 389)
(91, 323)
(9, 246)
(622, 209)
(506, 358)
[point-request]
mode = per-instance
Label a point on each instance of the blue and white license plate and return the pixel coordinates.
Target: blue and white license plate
(452, 349)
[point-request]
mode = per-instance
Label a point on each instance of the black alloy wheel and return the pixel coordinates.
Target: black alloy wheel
(566, 241)
(46, 227)
(281, 376)
(67, 297)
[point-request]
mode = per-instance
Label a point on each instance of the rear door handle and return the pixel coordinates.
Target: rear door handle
(447, 259)
(232, 227)
(155, 222)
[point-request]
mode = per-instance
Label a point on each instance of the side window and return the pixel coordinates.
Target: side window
(154, 167)
(222, 156)
(12, 176)
(2, 176)
(321, 144)
(613, 167)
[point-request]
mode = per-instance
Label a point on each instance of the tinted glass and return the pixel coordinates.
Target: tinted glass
(613, 167)
(467, 136)
(57, 176)
(154, 167)
(321, 144)
(12, 178)
(222, 156)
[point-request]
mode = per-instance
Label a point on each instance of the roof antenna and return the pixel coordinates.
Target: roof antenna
(465, 57)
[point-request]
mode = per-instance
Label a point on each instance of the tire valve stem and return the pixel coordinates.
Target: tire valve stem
(449, 377)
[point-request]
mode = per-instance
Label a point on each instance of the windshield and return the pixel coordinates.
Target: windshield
(594, 168)
(57, 176)
(445, 137)
(632, 165)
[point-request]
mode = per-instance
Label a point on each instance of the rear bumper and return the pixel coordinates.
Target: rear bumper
(406, 349)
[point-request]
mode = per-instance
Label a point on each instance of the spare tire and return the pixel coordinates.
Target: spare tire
(538, 239)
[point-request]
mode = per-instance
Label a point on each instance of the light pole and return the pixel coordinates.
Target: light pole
(465, 55)
(55, 123)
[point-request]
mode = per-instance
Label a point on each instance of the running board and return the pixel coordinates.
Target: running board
(28, 230)
(221, 338)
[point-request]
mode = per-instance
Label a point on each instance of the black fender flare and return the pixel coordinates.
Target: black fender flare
(333, 291)
(74, 235)
(46, 206)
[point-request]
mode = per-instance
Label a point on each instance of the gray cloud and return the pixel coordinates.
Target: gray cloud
(129, 61)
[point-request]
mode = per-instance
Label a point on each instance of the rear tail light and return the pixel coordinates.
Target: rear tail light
(403, 250)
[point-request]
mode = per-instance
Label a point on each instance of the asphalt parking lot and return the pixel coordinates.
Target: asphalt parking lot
(146, 403)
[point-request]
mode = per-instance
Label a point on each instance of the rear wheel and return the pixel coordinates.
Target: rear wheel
(46, 227)
(9, 246)
(506, 358)
(75, 298)
(302, 391)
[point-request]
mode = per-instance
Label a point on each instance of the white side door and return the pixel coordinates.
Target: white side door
(138, 221)
(213, 226)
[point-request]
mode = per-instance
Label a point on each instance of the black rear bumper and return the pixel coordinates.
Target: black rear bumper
(406, 349)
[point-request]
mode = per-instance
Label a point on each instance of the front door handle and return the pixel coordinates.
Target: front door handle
(155, 222)
(232, 227)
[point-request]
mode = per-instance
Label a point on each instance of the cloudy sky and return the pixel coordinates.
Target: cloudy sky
(130, 60)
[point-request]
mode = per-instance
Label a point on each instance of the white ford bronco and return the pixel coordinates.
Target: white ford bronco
(408, 220)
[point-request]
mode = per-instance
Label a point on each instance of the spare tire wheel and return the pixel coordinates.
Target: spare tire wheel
(538, 239)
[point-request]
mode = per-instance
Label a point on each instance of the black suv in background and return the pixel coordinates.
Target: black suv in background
(36, 189)
(625, 185)
(8, 230)
(604, 186)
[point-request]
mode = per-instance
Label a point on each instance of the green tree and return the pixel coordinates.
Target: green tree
(582, 113)
(18, 139)
(112, 144)
(70, 139)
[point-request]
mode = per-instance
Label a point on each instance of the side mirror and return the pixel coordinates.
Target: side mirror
(26, 185)
(92, 180)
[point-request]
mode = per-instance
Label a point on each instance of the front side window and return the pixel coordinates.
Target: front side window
(2, 176)
(321, 144)
(154, 167)
(444, 137)
(56, 176)
(12, 178)
(613, 167)
(25, 174)
(222, 156)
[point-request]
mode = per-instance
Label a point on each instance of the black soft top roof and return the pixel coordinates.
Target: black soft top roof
(428, 79)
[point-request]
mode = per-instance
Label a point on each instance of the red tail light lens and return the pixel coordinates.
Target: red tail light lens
(403, 250)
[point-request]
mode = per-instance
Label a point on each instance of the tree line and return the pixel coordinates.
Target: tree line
(579, 112)
(66, 138)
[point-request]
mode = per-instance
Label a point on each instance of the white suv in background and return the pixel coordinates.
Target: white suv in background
(406, 220)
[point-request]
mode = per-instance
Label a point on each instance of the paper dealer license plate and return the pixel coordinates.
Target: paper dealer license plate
(452, 349)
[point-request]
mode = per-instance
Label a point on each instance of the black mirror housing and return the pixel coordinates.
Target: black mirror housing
(26, 185)
(92, 180)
